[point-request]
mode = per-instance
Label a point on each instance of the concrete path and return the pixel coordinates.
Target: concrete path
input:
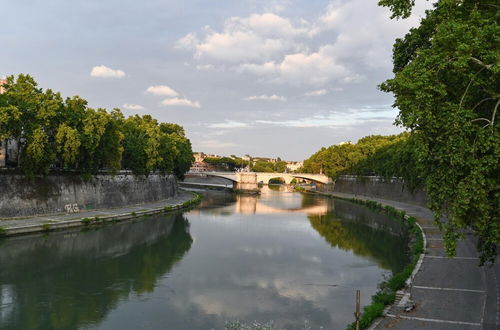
(59, 221)
(454, 294)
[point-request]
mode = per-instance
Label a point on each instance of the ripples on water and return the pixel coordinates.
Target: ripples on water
(282, 256)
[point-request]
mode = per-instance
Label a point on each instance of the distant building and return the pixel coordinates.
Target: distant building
(292, 166)
(198, 157)
(2, 82)
(202, 167)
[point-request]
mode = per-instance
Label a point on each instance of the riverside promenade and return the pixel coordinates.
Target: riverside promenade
(449, 294)
(47, 222)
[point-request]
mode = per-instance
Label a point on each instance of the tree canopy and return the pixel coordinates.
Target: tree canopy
(446, 87)
(67, 134)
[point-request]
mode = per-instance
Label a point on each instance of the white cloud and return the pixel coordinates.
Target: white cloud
(162, 90)
(365, 33)
(276, 6)
(277, 48)
(269, 24)
(251, 38)
(205, 67)
(181, 102)
(314, 68)
(266, 97)
(318, 92)
(348, 118)
(239, 46)
(132, 106)
(228, 124)
(189, 41)
(102, 71)
(264, 69)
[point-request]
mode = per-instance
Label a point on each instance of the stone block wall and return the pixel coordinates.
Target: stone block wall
(54, 193)
(373, 186)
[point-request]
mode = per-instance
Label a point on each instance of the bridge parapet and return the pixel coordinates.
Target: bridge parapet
(248, 177)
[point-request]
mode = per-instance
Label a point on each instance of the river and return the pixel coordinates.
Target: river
(283, 256)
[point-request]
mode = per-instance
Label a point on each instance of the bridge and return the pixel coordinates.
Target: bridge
(250, 180)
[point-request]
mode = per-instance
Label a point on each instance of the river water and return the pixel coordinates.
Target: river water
(284, 257)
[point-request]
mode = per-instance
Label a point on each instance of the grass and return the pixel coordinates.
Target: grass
(86, 221)
(3, 232)
(45, 227)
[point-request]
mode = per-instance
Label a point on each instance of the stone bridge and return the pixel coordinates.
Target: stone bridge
(250, 180)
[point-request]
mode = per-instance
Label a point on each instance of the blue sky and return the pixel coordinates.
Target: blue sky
(269, 78)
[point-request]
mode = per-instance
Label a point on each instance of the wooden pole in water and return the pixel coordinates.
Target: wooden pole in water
(357, 314)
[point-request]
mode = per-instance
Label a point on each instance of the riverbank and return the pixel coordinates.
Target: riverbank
(58, 221)
(447, 293)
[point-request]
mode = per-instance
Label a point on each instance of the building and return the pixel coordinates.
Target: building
(2, 82)
(202, 167)
(292, 166)
(198, 157)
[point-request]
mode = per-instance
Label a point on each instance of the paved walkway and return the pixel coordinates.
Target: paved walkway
(58, 221)
(449, 294)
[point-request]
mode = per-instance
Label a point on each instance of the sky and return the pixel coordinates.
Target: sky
(273, 78)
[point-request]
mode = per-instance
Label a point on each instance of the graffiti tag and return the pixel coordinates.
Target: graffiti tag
(71, 208)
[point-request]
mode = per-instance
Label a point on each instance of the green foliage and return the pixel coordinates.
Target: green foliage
(266, 166)
(446, 87)
(66, 134)
(86, 221)
(2, 231)
(45, 227)
(225, 163)
(386, 156)
(399, 8)
(193, 201)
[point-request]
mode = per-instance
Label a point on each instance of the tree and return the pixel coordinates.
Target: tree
(67, 134)
(446, 87)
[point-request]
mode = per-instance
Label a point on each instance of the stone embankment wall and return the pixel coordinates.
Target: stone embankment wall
(57, 193)
(373, 186)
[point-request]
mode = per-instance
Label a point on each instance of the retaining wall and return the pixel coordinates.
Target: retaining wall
(373, 186)
(57, 193)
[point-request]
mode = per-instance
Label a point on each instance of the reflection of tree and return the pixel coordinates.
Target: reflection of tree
(365, 233)
(81, 286)
(215, 199)
(310, 200)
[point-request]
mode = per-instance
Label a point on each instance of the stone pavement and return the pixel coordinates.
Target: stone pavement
(59, 221)
(454, 294)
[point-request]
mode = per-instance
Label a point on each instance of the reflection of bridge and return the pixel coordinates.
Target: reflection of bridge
(249, 180)
(283, 204)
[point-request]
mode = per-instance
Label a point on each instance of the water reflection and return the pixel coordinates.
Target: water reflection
(268, 202)
(73, 279)
(280, 256)
(365, 233)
